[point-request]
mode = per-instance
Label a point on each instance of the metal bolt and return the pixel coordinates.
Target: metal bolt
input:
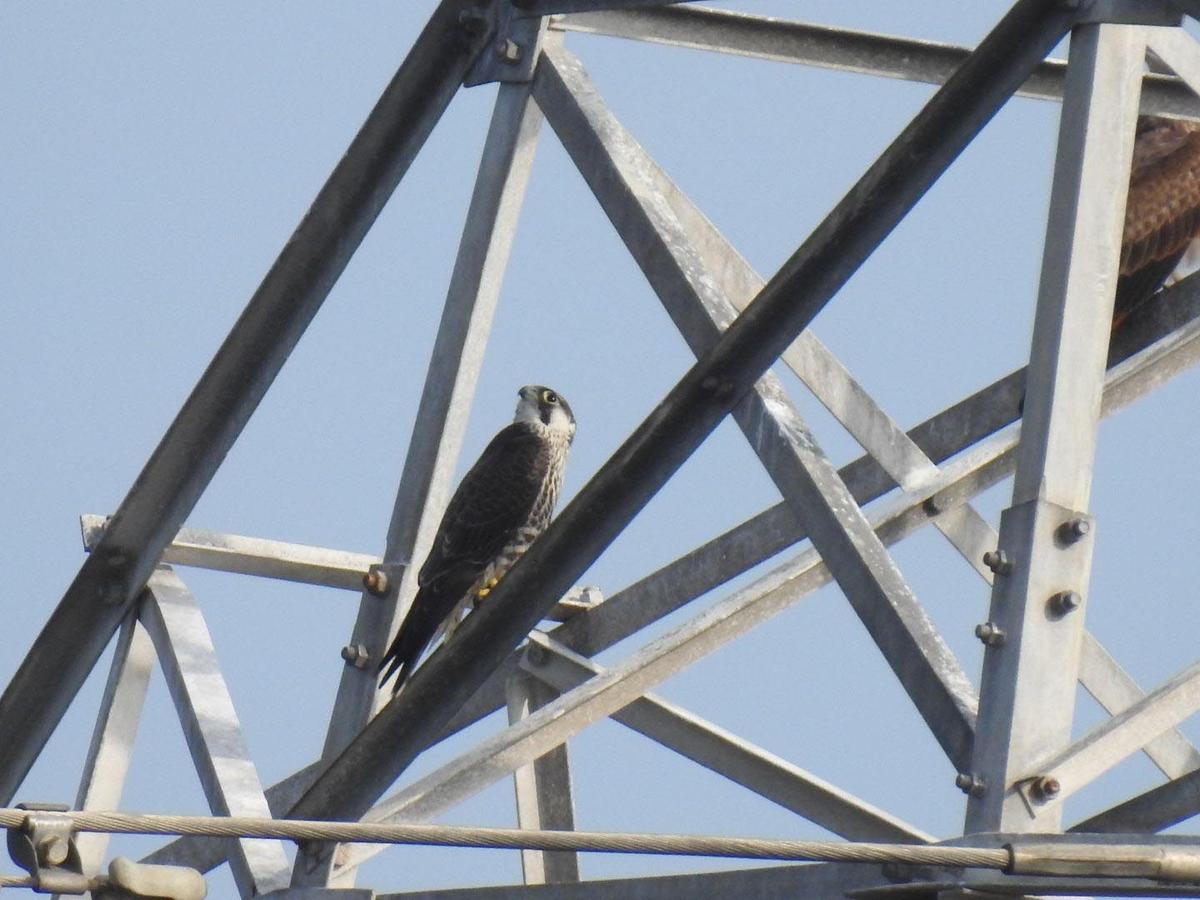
(998, 562)
(508, 50)
(970, 784)
(1045, 788)
(933, 505)
(1064, 602)
(990, 633)
(356, 655)
(376, 582)
(1074, 529)
(53, 851)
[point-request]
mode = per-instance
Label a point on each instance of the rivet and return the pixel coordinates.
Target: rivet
(971, 785)
(990, 633)
(376, 582)
(998, 562)
(1064, 602)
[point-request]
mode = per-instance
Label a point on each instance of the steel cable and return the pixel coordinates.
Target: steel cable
(520, 839)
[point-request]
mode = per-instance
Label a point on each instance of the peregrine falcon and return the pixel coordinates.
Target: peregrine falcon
(503, 503)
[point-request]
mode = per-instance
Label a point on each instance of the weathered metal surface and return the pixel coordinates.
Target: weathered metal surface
(1027, 696)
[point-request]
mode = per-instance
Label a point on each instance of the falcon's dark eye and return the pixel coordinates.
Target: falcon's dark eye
(549, 397)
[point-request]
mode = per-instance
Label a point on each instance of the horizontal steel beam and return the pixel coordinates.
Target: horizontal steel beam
(254, 556)
(301, 563)
(689, 413)
(231, 388)
(866, 53)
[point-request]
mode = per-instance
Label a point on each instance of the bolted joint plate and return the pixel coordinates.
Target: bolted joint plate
(1027, 693)
(512, 54)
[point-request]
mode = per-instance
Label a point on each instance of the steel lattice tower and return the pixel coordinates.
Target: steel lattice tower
(1009, 736)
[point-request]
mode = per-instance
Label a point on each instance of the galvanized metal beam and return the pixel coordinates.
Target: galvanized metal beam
(654, 597)
(553, 7)
(107, 762)
(624, 683)
(543, 789)
(812, 882)
(210, 725)
(866, 53)
(617, 171)
(1149, 812)
(725, 753)
(205, 854)
(230, 389)
(1157, 343)
(788, 303)
(1112, 741)
(1116, 691)
(1027, 696)
(242, 555)
(446, 399)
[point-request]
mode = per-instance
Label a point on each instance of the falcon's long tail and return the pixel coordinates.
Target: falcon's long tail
(428, 611)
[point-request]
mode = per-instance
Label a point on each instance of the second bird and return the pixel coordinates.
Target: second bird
(503, 503)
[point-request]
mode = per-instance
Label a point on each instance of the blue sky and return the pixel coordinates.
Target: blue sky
(154, 160)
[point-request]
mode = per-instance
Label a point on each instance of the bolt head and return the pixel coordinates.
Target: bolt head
(53, 851)
(1045, 787)
(1064, 602)
(971, 785)
(990, 633)
(356, 655)
(1074, 530)
(376, 582)
(998, 562)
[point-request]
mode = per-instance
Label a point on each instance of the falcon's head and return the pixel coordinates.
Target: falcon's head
(545, 409)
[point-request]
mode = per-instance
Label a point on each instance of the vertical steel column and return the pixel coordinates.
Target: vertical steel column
(444, 410)
(1031, 665)
(233, 385)
(446, 400)
(543, 788)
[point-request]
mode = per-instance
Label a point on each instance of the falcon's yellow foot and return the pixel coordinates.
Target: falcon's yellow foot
(487, 588)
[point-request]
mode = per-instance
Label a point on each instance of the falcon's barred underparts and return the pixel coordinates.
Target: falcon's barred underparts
(1162, 212)
(503, 503)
